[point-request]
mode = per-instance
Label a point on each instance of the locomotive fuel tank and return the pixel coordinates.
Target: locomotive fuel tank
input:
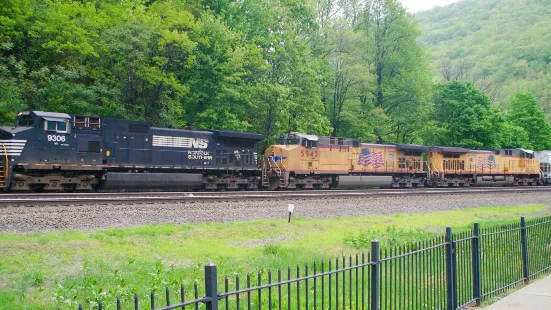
(175, 181)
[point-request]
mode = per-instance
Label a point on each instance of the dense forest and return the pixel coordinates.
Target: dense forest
(501, 46)
(355, 68)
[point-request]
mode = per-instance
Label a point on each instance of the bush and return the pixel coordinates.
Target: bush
(393, 236)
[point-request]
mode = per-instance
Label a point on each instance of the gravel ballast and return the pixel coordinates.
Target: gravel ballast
(88, 217)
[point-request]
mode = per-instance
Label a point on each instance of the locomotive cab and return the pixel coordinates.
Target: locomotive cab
(294, 145)
(46, 152)
(276, 164)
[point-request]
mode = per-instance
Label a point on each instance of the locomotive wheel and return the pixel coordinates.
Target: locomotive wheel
(274, 183)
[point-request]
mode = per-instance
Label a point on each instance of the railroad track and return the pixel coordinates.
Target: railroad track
(33, 199)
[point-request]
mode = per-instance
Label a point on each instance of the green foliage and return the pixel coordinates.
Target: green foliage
(378, 87)
(501, 46)
(401, 68)
(524, 113)
(271, 249)
(263, 66)
(245, 65)
(465, 117)
(54, 269)
(391, 237)
(513, 136)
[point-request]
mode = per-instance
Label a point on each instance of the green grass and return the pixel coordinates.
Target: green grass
(62, 268)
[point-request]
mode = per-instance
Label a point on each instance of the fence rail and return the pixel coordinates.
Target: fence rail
(449, 272)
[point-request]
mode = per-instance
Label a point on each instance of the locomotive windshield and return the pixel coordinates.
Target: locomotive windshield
(24, 120)
(288, 139)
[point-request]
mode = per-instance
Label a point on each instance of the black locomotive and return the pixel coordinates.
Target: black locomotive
(58, 151)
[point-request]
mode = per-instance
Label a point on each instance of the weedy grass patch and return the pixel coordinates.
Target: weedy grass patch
(62, 268)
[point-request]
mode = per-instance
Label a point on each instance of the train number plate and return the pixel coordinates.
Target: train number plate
(56, 138)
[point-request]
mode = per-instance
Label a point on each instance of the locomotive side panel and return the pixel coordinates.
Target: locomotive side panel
(183, 149)
(376, 159)
(451, 166)
(127, 144)
(180, 159)
(521, 165)
(336, 159)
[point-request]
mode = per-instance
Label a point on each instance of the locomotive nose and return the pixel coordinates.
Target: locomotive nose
(9, 146)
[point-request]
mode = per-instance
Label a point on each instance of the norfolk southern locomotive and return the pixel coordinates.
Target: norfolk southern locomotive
(57, 151)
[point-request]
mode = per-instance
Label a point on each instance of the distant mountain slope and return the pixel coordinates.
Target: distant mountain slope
(501, 44)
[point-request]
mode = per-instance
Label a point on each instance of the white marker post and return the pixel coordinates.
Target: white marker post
(291, 208)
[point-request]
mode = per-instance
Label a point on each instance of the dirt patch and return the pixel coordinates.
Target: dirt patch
(263, 241)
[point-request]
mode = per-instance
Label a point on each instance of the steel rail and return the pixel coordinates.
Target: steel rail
(140, 198)
(15, 195)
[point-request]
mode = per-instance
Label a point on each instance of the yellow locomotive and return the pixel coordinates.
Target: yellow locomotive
(464, 167)
(308, 161)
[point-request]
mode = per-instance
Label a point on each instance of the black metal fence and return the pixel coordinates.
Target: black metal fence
(447, 272)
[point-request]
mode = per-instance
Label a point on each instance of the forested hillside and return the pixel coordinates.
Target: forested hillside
(501, 46)
(348, 68)
(352, 68)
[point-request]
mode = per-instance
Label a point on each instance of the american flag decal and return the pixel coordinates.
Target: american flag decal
(367, 158)
(486, 162)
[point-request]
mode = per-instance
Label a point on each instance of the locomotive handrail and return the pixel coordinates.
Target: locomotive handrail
(282, 165)
(5, 153)
(6, 163)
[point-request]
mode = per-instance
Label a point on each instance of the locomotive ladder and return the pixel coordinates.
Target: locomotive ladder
(265, 170)
(3, 166)
(269, 164)
(434, 174)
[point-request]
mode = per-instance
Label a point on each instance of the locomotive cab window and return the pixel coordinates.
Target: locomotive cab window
(24, 120)
(284, 139)
(311, 144)
(59, 126)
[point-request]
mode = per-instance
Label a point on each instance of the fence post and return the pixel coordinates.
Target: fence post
(450, 287)
(375, 275)
(524, 243)
(210, 286)
(476, 263)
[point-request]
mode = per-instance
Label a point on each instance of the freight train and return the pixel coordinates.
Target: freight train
(46, 151)
(308, 161)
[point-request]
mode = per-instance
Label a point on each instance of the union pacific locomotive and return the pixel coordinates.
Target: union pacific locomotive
(57, 151)
(307, 161)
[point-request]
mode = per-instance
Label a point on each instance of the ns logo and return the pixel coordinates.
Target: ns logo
(199, 143)
(180, 142)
